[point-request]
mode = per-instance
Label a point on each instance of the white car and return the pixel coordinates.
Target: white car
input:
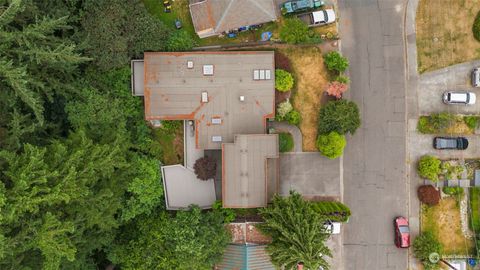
(332, 227)
(453, 97)
(317, 18)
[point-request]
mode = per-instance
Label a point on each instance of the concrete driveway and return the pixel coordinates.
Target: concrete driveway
(311, 174)
(432, 85)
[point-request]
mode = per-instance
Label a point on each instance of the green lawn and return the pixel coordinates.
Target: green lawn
(181, 11)
(475, 207)
(168, 146)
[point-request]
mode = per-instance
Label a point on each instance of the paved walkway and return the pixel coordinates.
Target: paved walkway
(294, 130)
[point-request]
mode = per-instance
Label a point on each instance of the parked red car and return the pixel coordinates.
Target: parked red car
(402, 232)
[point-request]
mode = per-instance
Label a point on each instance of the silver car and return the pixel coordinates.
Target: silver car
(476, 77)
(452, 97)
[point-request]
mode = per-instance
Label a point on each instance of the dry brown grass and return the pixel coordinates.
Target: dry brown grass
(444, 33)
(444, 221)
(311, 80)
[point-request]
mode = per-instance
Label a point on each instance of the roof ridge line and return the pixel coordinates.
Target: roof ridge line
(223, 15)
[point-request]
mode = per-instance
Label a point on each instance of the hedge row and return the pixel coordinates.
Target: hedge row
(335, 211)
(475, 206)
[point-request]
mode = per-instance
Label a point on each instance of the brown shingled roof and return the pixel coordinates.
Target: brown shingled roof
(212, 17)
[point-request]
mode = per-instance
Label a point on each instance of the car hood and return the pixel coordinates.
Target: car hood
(473, 98)
(331, 15)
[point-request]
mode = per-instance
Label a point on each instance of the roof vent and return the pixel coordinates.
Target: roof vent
(189, 64)
(208, 70)
(242, 98)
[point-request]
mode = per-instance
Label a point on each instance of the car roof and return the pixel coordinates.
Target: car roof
(461, 97)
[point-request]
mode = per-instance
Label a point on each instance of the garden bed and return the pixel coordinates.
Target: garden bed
(311, 80)
(447, 123)
(444, 33)
(444, 221)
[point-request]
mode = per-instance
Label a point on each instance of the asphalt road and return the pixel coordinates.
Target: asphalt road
(375, 185)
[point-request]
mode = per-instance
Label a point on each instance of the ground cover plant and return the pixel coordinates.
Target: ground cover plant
(285, 141)
(447, 123)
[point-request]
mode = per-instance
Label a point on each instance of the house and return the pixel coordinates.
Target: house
(214, 17)
(225, 99)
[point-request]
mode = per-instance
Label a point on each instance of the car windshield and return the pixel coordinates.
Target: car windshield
(326, 16)
(403, 229)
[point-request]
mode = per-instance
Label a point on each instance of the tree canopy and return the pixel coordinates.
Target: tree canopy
(297, 232)
(341, 116)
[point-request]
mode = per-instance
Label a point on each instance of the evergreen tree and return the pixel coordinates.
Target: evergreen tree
(297, 232)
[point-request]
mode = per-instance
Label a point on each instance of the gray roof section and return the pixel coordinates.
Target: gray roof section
(182, 188)
(138, 78)
(212, 17)
(245, 172)
(174, 91)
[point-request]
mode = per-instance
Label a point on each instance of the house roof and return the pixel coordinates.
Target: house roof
(212, 17)
(249, 170)
(245, 257)
(173, 91)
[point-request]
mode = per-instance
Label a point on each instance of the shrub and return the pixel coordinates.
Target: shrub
(171, 125)
(334, 211)
(294, 31)
(180, 41)
(285, 141)
(423, 125)
(341, 116)
(283, 80)
(428, 195)
(282, 62)
(335, 61)
(453, 191)
(331, 145)
(205, 168)
(342, 79)
(429, 167)
(336, 89)
(228, 213)
(424, 245)
(471, 121)
(283, 109)
(293, 117)
(476, 27)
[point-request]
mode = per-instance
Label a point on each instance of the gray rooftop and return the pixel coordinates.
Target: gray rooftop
(212, 17)
(182, 188)
(247, 179)
(233, 101)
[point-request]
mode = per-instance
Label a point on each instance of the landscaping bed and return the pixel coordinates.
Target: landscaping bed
(444, 221)
(307, 95)
(447, 123)
(444, 33)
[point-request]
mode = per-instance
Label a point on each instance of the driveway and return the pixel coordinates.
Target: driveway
(311, 174)
(432, 85)
(375, 185)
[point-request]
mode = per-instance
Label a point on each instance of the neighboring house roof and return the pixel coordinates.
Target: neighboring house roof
(249, 170)
(245, 257)
(212, 17)
(235, 102)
